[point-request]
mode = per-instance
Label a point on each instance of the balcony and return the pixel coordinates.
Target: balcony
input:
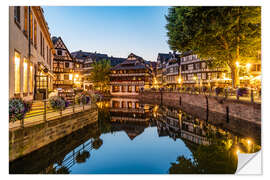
(131, 74)
(62, 70)
(129, 82)
(201, 70)
(66, 82)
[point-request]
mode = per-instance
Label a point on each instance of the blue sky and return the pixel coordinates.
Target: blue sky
(116, 31)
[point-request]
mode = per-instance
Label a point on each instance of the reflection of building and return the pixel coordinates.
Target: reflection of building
(63, 65)
(128, 110)
(193, 129)
(175, 124)
(132, 129)
(129, 116)
(168, 123)
(30, 53)
(128, 77)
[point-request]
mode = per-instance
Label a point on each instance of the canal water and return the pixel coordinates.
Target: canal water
(135, 138)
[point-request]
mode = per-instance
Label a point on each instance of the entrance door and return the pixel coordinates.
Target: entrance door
(41, 86)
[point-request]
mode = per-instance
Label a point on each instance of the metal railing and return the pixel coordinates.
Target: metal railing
(42, 111)
(70, 159)
(251, 95)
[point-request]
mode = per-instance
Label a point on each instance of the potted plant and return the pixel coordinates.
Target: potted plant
(82, 156)
(97, 143)
(58, 103)
(218, 91)
(242, 91)
(204, 89)
(18, 108)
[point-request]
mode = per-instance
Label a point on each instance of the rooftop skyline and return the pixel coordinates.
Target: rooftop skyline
(116, 31)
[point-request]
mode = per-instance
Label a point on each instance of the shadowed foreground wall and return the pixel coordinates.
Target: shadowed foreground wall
(26, 140)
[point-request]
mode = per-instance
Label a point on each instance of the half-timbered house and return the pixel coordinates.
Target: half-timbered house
(63, 66)
(128, 77)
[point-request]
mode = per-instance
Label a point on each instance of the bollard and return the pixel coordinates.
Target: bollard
(207, 109)
(73, 108)
(251, 96)
(22, 123)
(161, 97)
(180, 101)
(45, 110)
(227, 114)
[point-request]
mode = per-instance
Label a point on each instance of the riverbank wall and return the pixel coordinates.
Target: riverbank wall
(241, 117)
(28, 139)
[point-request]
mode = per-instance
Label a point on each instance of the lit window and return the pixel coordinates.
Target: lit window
(25, 64)
(31, 78)
(17, 72)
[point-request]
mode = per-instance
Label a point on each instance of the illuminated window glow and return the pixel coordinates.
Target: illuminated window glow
(17, 72)
(31, 78)
(25, 65)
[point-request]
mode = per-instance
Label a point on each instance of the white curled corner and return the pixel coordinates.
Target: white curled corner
(249, 164)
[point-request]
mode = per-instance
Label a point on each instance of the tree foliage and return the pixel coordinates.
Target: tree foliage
(216, 158)
(223, 35)
(100, 74)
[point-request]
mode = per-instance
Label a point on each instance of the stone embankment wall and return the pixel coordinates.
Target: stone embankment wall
(26, 140)
(241, 117)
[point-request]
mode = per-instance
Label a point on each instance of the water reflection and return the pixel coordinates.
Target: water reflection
(160, 140)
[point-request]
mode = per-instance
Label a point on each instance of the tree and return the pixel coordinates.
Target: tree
(223, 35)
(100, 74)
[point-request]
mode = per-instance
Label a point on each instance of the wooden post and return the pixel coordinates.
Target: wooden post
(45, 110)
(251, 96)
(207, 108)
(227, 114)
(73, 105)
(22, 123)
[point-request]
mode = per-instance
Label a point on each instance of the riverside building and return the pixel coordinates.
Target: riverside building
(130, 76)
(196, 72)
(30, 53)
(63, 66)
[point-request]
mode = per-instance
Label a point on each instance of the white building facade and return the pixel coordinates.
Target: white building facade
(30, 53)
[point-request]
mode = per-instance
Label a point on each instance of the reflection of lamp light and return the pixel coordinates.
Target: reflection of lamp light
(248, 66)
(237, 63)
(179, 80)
(70, 76)
(237, 151)
(249, 141)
